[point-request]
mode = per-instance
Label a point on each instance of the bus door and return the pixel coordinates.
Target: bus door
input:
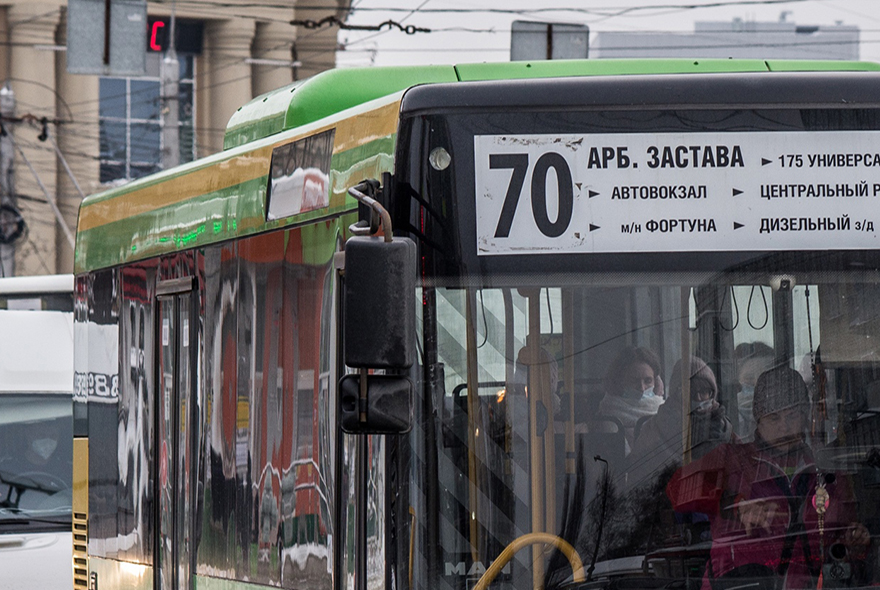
(176, 466)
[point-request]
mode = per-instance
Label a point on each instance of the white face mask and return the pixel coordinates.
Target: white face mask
(648, 393)
(44, 447)
(703, 405)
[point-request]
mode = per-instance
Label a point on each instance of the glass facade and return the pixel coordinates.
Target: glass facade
(131, 121)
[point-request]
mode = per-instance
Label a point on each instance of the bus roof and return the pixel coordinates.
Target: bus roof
(223, 195)
(336, 90)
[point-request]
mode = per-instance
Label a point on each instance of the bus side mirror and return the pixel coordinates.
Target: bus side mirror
(387, 408)
(379, 307)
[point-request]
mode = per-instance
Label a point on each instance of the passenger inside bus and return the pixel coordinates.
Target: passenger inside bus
(660, 440)
(774, 515)
(633, 389)
(749, 370)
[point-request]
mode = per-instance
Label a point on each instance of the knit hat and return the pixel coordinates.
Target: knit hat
(700, 374)
(779, 389)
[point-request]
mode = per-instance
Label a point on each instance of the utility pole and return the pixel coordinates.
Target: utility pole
(7, 184)
(171, 102)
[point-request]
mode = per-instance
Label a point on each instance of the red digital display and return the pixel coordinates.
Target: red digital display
(155, 28)
(187, 35)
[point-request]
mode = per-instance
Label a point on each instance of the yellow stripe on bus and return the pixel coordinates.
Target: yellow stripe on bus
(366, 127)
(80, 516)
(219, 176)
(351, 132)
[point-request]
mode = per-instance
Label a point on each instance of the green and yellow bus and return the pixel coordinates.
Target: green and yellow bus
(518, 325)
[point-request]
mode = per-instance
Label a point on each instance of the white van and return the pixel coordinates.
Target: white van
(36, 431)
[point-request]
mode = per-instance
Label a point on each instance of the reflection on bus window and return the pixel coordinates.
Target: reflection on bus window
(755, 461)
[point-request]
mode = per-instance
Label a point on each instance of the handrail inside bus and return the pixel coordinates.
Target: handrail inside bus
(577, 566)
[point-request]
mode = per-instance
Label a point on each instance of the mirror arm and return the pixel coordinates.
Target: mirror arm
(378, 212)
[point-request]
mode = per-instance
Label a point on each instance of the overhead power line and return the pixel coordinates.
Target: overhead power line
(332, 20)
(599, 10)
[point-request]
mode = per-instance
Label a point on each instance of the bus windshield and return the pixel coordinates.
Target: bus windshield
(570, 408)
(659, 404)
(35, 461)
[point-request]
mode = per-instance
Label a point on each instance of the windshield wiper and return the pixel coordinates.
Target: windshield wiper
(27, 481)
(19, 520)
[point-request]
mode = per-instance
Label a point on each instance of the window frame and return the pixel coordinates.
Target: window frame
(132, 169)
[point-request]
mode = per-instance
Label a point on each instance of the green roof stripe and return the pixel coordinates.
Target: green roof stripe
(603, 67)
(323, 95)
(793, 65)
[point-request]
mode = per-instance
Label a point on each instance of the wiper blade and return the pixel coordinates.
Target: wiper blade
(29, 481)
(60, 520)
(19, 520)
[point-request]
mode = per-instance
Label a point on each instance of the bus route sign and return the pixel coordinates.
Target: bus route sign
(605, 193)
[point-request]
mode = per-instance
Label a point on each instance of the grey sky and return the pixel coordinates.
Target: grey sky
(475, 36)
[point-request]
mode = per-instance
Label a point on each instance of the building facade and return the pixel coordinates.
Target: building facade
(738, 39)
(72, 134)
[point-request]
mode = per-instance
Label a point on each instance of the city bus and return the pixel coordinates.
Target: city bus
(36, 431)
(413, 327)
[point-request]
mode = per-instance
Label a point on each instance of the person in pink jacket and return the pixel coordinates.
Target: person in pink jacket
(774, 516)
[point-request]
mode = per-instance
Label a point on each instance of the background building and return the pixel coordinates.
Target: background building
(108, 129)
(735, 39)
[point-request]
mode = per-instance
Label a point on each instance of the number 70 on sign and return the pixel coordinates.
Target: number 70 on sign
(526, 197)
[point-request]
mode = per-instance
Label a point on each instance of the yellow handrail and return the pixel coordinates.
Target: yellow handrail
(577, 566)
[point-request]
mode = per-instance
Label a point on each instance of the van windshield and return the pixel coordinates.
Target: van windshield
(35, 461)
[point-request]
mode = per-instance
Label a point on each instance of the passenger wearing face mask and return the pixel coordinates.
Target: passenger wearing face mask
(662, 440)
(633, 389)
